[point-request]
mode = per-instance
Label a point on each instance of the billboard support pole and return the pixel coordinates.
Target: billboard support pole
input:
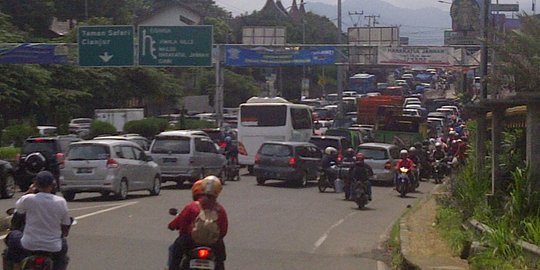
(339, 68)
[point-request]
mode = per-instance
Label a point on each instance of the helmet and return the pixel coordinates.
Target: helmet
(452, 132)
(44, 179)
(438, 144)
(432, 140)
(403, 152)
(212, 185)
(330, 150)
(350, 152)
(412, 149)
(228, 139)
(360, 157)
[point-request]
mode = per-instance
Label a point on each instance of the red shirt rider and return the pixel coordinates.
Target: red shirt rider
(184, 221)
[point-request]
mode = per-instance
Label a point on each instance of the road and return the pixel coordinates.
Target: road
(271, 227)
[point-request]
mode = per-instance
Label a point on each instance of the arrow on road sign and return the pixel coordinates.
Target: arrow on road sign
(106, 57)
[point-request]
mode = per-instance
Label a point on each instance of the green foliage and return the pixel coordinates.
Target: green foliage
(8, 32)
(101, 128)
(18, 133)
(30, 16)
(394, 245)
(524, 199)
(9, 153)
(531, 227)
(449, 222)
(147, 127)
(194, 124)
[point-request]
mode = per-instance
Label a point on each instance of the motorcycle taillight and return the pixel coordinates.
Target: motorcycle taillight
(203, 253)
(39, 260)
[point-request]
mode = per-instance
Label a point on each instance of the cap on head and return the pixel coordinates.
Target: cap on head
(44, 179)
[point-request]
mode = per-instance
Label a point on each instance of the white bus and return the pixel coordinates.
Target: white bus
(270, 119)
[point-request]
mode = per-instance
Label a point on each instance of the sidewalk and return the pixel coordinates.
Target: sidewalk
(421, 245)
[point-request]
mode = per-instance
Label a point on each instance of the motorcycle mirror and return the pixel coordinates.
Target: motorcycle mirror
(10, 211)
(173, 211)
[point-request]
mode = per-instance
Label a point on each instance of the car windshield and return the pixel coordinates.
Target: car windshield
(88, 152)
(276, 150)
(373, 153)
(173, 145)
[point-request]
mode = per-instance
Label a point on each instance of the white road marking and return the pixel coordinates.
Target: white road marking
(117, 206)
(325, 235)
(95, 206)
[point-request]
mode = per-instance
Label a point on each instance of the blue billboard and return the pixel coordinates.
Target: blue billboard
(265, 57)
(35, 53)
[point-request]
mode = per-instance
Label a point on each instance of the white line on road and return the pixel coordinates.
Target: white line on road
(95, 206)
(105, 210)
(117, 206)
(325, 235)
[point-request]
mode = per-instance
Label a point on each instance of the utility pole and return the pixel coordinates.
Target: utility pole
(374, 17)
(356, 13)
(339, 67)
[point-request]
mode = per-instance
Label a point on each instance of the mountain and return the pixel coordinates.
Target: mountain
(424, 26)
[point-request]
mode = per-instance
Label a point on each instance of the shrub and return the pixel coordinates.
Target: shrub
(18, 133)
(9, 153)
(101, 128)
(147, 127)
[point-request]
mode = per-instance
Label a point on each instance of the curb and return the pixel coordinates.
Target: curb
(404, 236)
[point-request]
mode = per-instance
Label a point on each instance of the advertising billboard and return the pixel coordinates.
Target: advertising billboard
(403, 56)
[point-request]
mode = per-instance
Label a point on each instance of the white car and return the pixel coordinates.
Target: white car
(78, 124)
(411, 112)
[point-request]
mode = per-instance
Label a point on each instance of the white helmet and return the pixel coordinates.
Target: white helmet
(412, 149)
(404, 151)
(438, 144)
(330, 150)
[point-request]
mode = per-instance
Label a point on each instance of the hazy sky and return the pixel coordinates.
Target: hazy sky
(242, 6)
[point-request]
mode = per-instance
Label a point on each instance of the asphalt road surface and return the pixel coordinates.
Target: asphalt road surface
(275, 226)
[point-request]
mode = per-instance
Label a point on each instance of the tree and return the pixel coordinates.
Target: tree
(30, 16)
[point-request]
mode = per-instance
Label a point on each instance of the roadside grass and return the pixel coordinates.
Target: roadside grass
(394, 245)
(449, 221)
(9, 153)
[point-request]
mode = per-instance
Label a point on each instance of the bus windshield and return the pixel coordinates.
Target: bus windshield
(363, 83)
(263, 116)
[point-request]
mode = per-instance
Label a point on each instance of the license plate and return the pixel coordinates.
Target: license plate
(169, 160)
(84, 170)
(201, 264)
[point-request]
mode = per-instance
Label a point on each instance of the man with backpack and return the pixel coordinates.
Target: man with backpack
(203, 222)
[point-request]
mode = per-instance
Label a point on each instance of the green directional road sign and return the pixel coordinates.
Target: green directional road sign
(103, 46)
(188, 46)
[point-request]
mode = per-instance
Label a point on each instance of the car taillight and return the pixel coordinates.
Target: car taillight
(292, 161)
(39, 140)
(111, 163)
(388, 165)
(39, 260)
(340, 157)
(242, 149)
(60, 160)
(203, 253)
(257, 158)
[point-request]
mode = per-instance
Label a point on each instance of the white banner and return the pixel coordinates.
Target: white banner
(425, 56)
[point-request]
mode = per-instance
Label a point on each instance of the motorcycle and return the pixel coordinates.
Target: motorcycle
(438, 170)
(403, 182)
(359, 194)
(199, 257)
(336, 182)
(232, 169)
(36, 260)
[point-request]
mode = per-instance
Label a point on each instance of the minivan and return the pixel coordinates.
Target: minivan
(296, 162)
(382, 158)
(184, 156)
(108, 166)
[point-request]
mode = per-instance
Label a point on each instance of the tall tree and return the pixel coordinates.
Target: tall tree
(30, 15)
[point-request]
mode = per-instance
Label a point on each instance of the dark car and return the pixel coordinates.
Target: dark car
(296, 162)
(338, 142)
(7, 179)
(39, 154)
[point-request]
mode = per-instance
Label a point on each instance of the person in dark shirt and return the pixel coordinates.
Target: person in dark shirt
(361, 172)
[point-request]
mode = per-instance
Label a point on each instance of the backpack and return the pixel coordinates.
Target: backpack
(205, 228)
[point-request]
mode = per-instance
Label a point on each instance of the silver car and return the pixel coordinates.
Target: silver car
(108, 166)
(382, 158)
(184, 156)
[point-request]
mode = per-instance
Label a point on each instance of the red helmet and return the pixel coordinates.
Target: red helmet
(360, 157)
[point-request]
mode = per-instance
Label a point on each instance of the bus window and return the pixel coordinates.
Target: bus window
(301, 118)
(263, 116)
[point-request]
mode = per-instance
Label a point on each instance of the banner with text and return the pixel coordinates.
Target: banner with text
(264, 57)
(425, 56)
(33, 54)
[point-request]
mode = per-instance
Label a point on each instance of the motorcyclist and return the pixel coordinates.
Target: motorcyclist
(328, 160)
(205, 193)
(415, 157)
(440, 155)
(405, 162)
(47, 223)
(361, 172)
(348, 162)
(231, 149)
